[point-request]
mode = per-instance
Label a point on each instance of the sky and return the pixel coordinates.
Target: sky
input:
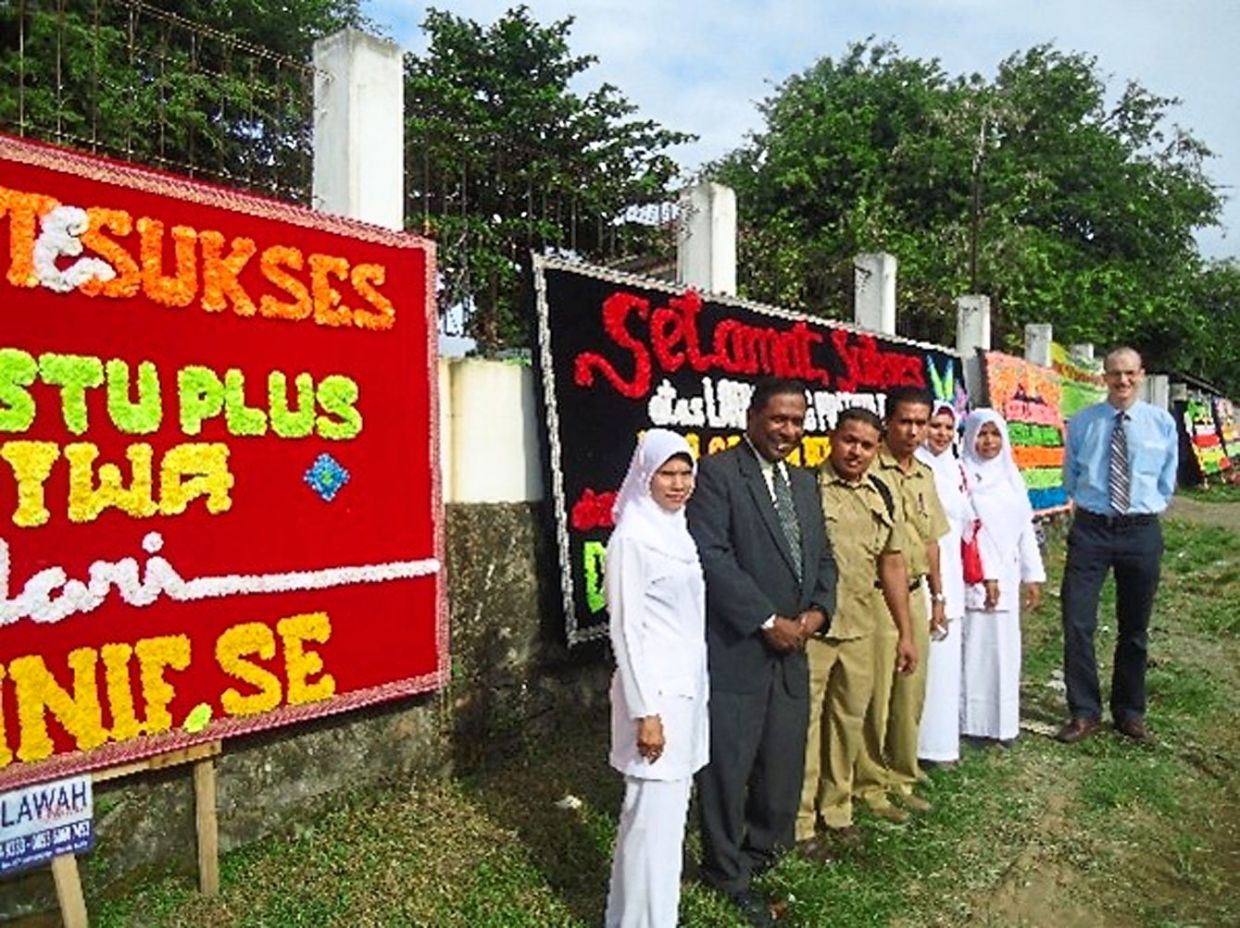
(701, 67)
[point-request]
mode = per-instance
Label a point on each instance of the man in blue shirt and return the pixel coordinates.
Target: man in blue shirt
(1119, 468)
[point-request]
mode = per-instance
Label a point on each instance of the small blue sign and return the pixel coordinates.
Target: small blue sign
(44, 821)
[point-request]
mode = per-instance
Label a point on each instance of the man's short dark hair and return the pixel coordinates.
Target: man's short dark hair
(860, 414)
(911, 396)
(773, 386)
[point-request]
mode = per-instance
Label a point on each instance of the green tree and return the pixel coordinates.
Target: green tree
(217, 88)
(505, 156)
(859, 154)
(1206, 332)
(1089, 209)
(1031, 188)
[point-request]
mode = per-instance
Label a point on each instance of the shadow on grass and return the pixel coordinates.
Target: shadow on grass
(571, 847)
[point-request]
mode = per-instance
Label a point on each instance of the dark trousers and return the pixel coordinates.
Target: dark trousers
(750, 790)
(1133, 550)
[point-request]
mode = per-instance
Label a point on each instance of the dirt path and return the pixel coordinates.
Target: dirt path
(1040, 890)
(1221, 515)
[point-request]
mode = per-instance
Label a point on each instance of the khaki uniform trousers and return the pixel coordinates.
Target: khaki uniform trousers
(908, 699)
(841, 680)
(888, 760)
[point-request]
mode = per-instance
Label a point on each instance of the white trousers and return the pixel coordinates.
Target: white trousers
(645, 875)
(939, 737)
(990, 684)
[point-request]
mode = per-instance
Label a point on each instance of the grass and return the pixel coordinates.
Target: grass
(1123, 776)
(1106, 833)
(1216, 492)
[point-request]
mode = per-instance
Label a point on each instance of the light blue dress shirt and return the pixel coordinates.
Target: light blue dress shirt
(1153, 455)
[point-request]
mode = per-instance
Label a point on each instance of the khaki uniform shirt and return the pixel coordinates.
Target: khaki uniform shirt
(860, 529)
(917, 508)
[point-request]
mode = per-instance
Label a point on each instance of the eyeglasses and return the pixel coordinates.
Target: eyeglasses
(1119, 375)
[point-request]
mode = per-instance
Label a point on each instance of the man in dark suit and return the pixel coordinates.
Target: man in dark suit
(770, 584)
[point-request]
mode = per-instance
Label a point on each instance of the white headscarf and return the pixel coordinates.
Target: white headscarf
(996, 488)
(947, 475)
(635, 511)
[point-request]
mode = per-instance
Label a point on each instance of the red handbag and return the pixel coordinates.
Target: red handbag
(971, 556)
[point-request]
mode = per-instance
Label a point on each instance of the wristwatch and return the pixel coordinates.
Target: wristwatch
(938, 597)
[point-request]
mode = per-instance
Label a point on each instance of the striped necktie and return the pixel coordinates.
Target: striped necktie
(1118, 480)
(787, 515)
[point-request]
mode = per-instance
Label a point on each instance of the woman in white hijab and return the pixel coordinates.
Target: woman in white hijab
(659, 735)
(939, 737)
(990, 698)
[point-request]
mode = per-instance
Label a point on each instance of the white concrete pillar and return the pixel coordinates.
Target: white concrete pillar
(706, 239)
(359, 126)
(1082, 353)
(444, 379)
(1038, 337)
(1158, 391)
(874, 292)
(972, 336)
(972, 323)
(494, 433)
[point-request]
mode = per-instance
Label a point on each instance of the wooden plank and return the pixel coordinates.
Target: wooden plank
(69, 891)
(207, 826)
(169, 759)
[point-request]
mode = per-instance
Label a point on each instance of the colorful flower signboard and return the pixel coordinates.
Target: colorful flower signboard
(218, 510)
(622, 354)
(1225, 419)
(1081, 384)
(1204, 436)
(1030, 398)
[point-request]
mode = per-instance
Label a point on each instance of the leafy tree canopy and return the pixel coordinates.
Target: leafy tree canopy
(1062, 202)
(506, 156)
(210, 88)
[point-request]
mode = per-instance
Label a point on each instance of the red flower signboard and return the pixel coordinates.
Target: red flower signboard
(218, 505)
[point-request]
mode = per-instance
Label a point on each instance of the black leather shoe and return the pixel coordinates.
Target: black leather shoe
(754, 908)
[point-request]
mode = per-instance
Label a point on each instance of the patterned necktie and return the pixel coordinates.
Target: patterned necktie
(787, 515)
(1118, 481)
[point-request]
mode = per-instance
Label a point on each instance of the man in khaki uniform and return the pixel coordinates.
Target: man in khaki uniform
(860, 517)
(888, 764)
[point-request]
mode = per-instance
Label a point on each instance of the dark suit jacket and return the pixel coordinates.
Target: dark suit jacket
(749, 569)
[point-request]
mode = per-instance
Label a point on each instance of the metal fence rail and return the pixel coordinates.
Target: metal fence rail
(129, 80)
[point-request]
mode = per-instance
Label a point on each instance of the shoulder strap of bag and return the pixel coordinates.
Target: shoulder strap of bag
(885, 492)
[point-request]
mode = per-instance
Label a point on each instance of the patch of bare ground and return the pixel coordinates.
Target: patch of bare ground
(1203, 512)
(1039, 888)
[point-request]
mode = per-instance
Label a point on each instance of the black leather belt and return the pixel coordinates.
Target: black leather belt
(1116, 521)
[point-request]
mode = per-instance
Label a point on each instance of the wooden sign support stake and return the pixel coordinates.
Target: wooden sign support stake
(207, 827)
(202, 756)
(65, 867)
(69, 891)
